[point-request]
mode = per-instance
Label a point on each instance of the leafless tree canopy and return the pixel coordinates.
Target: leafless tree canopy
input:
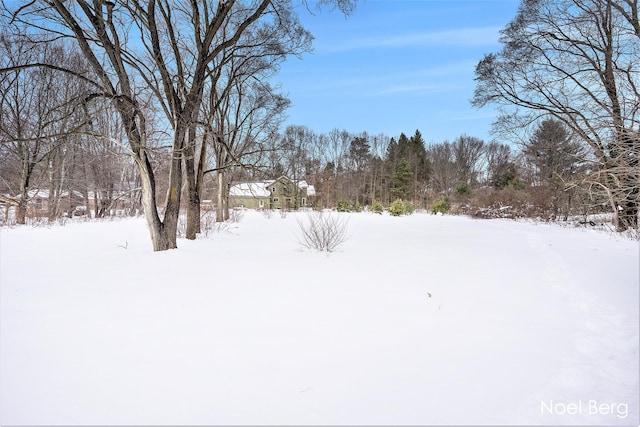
(156, 56)
(162, 102)
(578, 62)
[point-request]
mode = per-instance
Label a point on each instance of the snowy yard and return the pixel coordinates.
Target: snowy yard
(414, 320)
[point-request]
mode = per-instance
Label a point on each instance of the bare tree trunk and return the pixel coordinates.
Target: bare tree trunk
(222, 205)
(193, 195)
(225, 201)
(626, 203)
(160, 239)
(172, 206)
(21, 211)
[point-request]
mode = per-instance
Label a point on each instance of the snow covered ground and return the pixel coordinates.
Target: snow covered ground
(415, 320)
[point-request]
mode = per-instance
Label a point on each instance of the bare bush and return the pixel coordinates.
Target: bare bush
(208, 224)
(504, 203)
(236, 215)
(323, 231)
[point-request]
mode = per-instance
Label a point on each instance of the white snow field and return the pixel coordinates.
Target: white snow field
(414, 320)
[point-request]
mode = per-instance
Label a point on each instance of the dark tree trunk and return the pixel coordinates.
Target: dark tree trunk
(172, 210)
(193, 194)
(627, 215)
(193, 200)
(21, 211)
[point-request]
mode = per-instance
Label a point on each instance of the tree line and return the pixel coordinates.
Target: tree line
(159, 102)
(358, 170)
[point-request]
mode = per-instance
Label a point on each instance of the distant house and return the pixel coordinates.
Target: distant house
(281, 193)
(40, 200)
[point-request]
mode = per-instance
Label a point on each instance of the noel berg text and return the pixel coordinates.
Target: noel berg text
(590, 407)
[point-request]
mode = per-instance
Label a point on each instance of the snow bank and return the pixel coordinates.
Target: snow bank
(416, 320)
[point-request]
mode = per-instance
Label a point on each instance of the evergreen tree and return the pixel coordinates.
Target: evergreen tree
(407, 167)
(556, 157)
(359, 153)
(390, 164)
(391, 155)
(401, 180)
(359, 161)
(553, 152)
(419, 160)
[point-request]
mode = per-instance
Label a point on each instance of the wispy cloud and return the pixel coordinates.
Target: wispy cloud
(389, 82)
(463, 37)
(415, 89)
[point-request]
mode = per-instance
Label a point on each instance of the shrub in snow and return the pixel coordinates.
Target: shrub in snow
(235, 215)
(441, 206)
(399, 207)
(509, 203)
(343, 205)
(410, 208)
(209, 225)
(377, 207)
(348, 206)
(323, 231)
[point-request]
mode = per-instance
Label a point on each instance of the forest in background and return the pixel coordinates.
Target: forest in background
(156, 107)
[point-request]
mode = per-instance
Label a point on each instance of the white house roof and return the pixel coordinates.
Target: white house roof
(44, 194)
(261, 189)
(250, 189)
(311, 190)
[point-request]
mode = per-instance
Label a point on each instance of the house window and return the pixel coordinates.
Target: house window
(262, 203)
(304, 201)
(275, 200)
(273, 189)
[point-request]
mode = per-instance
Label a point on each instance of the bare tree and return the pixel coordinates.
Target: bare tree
(104, 171)
(246, 119)
(467, 151)
(37, 118)
(379, 144)
(443, 167)
(500, 166)
(575, 61)
(294, 149)
(243, 111)
(125, 68)
(99, 31)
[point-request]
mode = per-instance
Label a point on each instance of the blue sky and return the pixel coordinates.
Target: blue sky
(396, 66)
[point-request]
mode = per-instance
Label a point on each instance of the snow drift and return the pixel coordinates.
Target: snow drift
(415, 320)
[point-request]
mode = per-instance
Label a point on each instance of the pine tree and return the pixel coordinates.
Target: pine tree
(557, 158)
(401, 180)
